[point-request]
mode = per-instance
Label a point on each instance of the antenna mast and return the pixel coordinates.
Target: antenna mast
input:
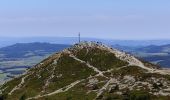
(79, 37)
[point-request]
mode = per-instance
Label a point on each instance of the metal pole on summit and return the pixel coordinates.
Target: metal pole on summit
(79, 37)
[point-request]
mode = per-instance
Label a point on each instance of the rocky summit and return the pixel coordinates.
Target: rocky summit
(90, 71)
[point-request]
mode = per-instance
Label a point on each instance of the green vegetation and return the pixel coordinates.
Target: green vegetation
(79, 92)
(10, 84)
(139, 95)
(129, 70)
(127, 95)
(67, 70)
(101, 59)
(71, 70)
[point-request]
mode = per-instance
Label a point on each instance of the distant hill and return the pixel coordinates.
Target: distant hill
(156, 54)
(90, 71)
(22, 50)
(155, 49)
(152, 53)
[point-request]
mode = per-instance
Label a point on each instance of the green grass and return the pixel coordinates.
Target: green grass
(79, 92)
(71, 71)
(9, 86)
(101, 59)
(129, 70)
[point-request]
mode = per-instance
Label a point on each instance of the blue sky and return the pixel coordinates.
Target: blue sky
(115, 19)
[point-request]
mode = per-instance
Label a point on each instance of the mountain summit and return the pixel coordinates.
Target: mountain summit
(88, 71)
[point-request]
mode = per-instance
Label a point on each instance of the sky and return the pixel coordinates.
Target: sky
(113, 19)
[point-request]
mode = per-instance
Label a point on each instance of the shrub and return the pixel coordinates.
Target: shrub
(139, 95)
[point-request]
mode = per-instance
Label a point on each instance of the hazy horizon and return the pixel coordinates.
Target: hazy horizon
(7, 41)
(84, 37)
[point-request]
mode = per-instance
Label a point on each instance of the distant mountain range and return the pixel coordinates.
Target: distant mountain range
(90, 71)
(6, 41)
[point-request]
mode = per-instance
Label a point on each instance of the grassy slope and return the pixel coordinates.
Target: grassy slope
(33, 85)
(103, 60)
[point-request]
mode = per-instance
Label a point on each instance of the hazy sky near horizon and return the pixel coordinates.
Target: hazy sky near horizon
(116, 19)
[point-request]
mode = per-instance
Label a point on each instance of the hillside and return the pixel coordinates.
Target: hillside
(88, 71)
(14, 59)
